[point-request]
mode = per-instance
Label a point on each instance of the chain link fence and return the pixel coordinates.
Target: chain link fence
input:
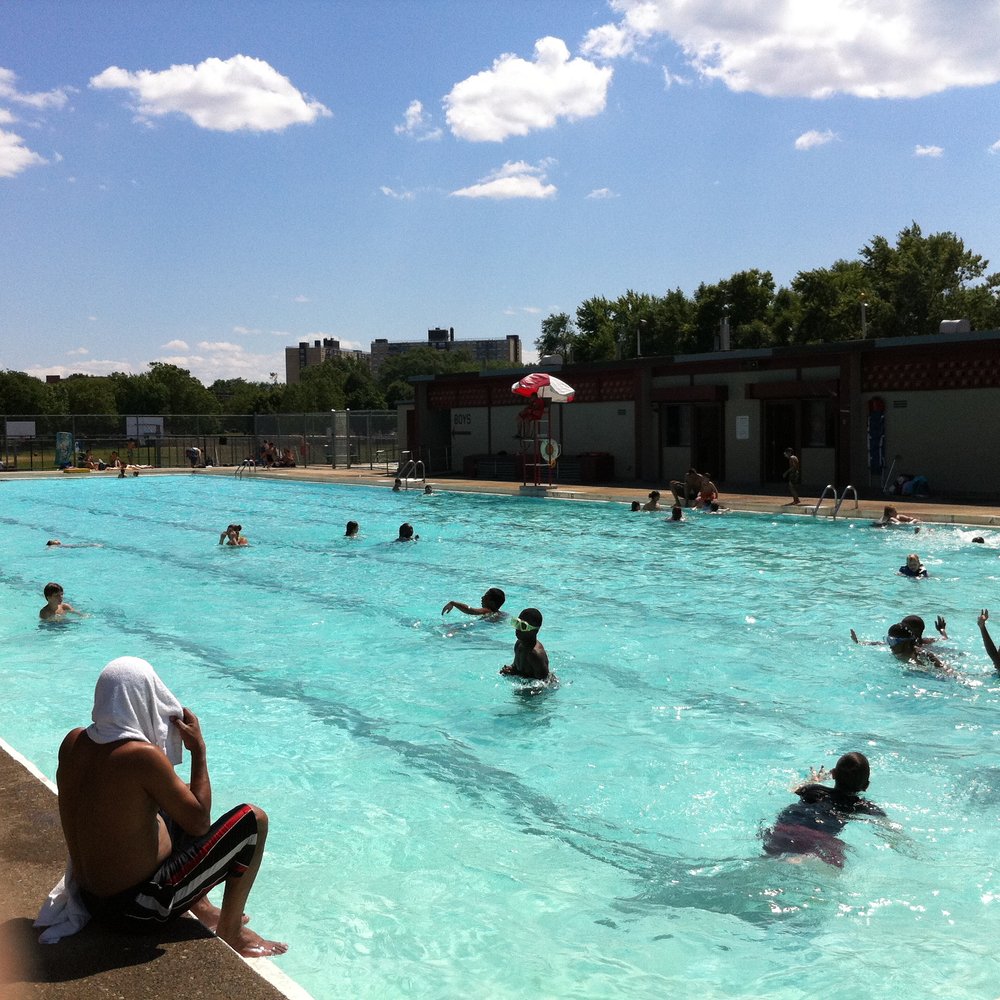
(42, 442)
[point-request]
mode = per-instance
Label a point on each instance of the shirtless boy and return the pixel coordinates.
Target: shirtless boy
(530, 659)
(491, 601)
(55, 606)
(134, 869)
(810, 826)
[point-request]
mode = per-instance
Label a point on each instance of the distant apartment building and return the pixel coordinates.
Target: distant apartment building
(303, 356)
(506, 349)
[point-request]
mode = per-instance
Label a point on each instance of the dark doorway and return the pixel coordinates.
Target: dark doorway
(708, 452)
(781, 431)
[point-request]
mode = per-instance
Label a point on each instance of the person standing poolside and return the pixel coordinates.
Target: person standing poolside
(793, 474)
(810, 826)
(988, 644)
(530, 659)
(55, 606)
(492, 602)
(141, 842)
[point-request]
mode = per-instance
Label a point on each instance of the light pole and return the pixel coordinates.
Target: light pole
(638, 338)
(864, 320)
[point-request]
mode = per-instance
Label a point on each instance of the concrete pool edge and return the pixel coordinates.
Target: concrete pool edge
(187, 961)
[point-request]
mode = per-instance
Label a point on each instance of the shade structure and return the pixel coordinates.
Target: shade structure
(544, 386)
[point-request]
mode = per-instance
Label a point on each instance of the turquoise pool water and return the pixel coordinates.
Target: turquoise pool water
(436, 835)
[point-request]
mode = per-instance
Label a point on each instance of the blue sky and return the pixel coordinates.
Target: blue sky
(207, 183)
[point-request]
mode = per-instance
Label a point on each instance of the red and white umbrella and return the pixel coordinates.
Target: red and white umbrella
(544, 386)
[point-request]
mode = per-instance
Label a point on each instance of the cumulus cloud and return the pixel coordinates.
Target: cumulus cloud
(174, 345)
(791, 48)
(512, 180)
(814, 138)
(516, 96)
(223, 95)
(15, 156)
(47, 99)
(995, 148)
(398, 195)
(78, 351)
(301, 298)
(600, 193)
(417, 125)
(931, 151)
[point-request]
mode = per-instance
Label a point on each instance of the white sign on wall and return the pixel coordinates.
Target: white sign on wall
(743, 428)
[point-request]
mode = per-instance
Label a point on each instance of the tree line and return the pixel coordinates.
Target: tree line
(336, 384)
(899, 290)
(905, 289)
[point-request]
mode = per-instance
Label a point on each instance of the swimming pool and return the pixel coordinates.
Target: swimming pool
(434, 834)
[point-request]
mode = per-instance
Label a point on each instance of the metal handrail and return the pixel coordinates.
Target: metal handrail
(245, 466)
(416, 466)
(830, 490)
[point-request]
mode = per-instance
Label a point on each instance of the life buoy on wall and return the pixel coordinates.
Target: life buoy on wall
(549, 450)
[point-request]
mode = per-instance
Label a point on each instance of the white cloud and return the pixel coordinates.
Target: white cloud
(516, 97)
(417, 125)
(6, 118)
(932, 151)
(48, 99)
(15, 156)
(221, 95)
(243, 331)
(174, 345)
(81, 351)
(995, 148)
(817, 48)
(398, 195)
(93, 367)
(814, 138)
(512, 180)
(301, 298)
(600, 193)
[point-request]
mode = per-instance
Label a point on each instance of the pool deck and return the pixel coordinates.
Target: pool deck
(186, 961)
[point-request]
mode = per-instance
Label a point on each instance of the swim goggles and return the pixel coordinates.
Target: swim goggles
(520, 625)
(898, 640)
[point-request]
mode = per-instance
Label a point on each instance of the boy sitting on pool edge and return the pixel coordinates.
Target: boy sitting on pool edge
(530, 659)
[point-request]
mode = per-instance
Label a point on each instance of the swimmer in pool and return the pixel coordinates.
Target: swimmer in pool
(916, 625)
(676, 515)
(55, 606)
(988, 644)
(530, 659)
(891, 518)
(914, 567)
(636, 506)
(491, 601)
(810, 826)
(406, 533)
(233, 535)
(55, 543)
(653, 503)
(352, 529)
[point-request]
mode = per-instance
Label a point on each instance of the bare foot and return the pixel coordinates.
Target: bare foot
(251, 945)
(209, 914)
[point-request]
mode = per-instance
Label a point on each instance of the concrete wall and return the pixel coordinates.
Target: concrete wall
(605, 427)
(950, 436)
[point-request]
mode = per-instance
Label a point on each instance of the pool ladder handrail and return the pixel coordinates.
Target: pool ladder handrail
(416, 466)
(830, 490)
(247, 464)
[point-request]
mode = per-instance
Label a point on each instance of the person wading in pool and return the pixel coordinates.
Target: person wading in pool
(530, 659)
(491, 601)
(810, 826)
(141, 841)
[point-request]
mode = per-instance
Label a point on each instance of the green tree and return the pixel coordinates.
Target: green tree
(920, 281)
(830, 303)
(558, 336)
(23, 395)
(595, 324)
(89, 394)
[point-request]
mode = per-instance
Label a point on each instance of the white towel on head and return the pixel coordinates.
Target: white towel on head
(130, 703)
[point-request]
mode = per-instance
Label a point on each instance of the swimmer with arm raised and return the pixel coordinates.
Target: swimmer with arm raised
(988, 643)
(492, 601)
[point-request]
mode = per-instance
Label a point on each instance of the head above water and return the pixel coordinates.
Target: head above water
(901, 638)
(913, 561)
(654, 495)
(532, 616)
(494, 598)
(406, 530)
(352, 529)
(676, 514)
(852, 773)
(915, 624)
(636, 505)
(51, 588)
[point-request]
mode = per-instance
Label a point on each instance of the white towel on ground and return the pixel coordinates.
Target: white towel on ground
(130, 703)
